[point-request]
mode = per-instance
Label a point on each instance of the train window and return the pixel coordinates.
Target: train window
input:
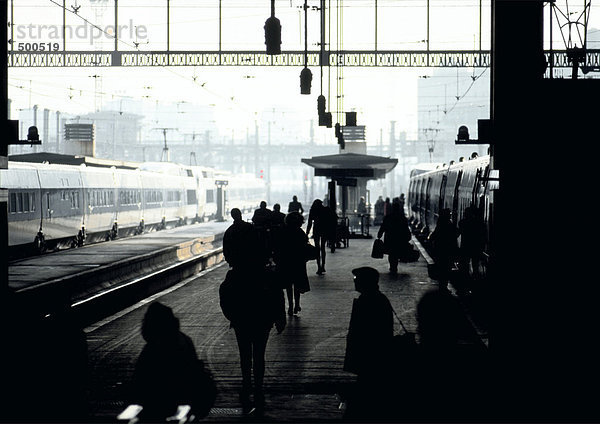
(210, 196)
(63, 195)
(13, 203)
(26, 202)
(74, 200)
(32, 203)
(191, 197)
(19, 202)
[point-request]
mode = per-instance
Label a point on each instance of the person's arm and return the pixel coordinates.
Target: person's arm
(309, 225)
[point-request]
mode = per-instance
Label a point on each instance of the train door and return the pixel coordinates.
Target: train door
(428, 211)
(455, 197)
(442, 194)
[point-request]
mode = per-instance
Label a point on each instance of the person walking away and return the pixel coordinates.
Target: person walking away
(277, 217)
(444, 243)
(397, 235)
(319, 220)
(368, 341)
(262, 222)
(276, 225)
(253, 305)
(295, 206)
(387, 206)
(451, 360)
(290, 260)
(378, 211)
(472, 233)
(242, 247)
(168, 372)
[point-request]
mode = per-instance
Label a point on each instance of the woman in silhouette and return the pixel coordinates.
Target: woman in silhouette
(290, 260)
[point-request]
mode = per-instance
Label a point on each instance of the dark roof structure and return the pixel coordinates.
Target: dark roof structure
(56, 158)
(351, 165)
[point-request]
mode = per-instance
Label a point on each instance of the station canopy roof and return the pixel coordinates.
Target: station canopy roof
(351, 165)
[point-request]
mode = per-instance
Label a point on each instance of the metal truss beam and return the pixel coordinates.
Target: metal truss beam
(357, 58)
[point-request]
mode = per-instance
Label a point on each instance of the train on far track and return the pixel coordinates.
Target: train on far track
(55, 205)
(454, 186)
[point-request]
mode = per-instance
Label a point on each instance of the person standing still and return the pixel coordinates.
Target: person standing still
(295, 206)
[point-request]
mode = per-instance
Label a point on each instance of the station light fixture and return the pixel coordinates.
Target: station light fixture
(484, 130)
(273, 33)
(463, 134)
(305, 80)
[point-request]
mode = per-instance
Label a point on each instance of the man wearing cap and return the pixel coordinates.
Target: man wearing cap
(369, 339)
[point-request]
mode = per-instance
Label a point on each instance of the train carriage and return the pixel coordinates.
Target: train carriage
(455, 186)
(59, 205)
(100, 199)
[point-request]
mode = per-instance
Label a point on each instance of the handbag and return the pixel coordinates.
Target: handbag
(409, 253)
(311, 252)
(378, 249)
(404, 345)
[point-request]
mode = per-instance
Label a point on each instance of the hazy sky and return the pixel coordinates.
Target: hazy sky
(240, 95)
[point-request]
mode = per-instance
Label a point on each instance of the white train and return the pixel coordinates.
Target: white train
(55, 205)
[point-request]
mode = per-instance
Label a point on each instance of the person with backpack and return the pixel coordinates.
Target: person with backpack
(253, 303)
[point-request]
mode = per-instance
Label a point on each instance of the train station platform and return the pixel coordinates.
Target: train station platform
(304, 376)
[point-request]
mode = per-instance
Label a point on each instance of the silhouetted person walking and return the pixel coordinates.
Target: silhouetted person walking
(322, 222)
(262, 222)
(242, 246)
(379, 211)
(452, 366)
(368, 342)
(168, 372)
(472, 233)
(387, 206)
(252, 306)
(277, 217)
(295, 206)
(397, 235)
(290, 260)
(443, 239)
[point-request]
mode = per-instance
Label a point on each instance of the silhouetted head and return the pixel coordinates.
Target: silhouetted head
(396, 210)
(159, 323)
(366, 279)
(236, 214)
(276, 207)
(295, 198)
(294, 219)
(445, 214)
(317, 203)
(439, 317)
(263, 204)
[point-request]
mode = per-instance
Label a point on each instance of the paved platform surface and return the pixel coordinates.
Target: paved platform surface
(54, 266)
(304, 373)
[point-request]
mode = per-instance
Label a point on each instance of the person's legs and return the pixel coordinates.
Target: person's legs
(259, 347)
(319, 254)
(297, 298)
(323, 242)
(290, 296)
(245, 347)
(393, 261)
